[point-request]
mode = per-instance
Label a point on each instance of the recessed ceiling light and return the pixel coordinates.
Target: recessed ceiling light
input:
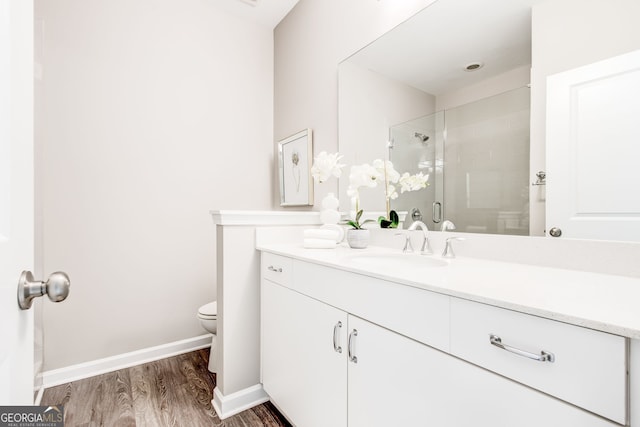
(473, 66)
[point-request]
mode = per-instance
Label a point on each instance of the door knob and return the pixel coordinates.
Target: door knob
(56, 287)
(555, 232)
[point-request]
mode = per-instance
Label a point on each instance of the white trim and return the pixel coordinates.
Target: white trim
(121, 361)
(38, 398)
(265, 217)
(239, 401)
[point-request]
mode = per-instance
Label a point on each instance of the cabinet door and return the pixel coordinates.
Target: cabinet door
(399, 382)
(301, 370)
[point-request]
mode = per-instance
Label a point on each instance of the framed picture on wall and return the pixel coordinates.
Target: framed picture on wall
(295, 156)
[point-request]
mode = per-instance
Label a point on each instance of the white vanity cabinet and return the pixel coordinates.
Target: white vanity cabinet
(302, 371)
(400, 382)
(584, 367)
(333, 356)
(316, 358)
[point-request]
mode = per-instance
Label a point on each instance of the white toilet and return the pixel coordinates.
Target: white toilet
(208, 315)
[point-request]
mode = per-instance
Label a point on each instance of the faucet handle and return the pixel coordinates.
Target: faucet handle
(448, 247)
(426, 247)
(408, 247)
(447, 226)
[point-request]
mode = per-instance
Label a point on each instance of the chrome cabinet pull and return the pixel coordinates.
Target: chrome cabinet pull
(272, 268)
(351, 346)
(544, 356)
(336, 331)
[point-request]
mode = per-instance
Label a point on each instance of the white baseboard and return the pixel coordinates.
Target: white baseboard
(239, 401)
(121, 361)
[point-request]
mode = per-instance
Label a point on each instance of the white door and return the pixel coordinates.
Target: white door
(593, 148)
(16, 198)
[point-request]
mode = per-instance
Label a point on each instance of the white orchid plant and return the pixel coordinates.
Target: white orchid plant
(383, 171)
(368, 176)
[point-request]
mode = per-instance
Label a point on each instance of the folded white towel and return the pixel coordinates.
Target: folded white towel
(335, 227)
(318, 233)
(319, 244)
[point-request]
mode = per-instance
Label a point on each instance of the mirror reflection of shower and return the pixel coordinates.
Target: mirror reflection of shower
(421, 137)
(477, 158)
(418, 147)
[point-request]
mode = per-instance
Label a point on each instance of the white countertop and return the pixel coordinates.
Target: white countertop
(603, 302)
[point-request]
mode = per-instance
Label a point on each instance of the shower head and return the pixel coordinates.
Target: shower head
(422, 137)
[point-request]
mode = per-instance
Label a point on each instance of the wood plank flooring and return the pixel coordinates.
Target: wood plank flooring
(173, 392)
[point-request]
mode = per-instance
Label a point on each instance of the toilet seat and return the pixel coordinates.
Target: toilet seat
(209, 311)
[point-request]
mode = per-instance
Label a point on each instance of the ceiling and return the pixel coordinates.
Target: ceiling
(264, 12)
(431, 50)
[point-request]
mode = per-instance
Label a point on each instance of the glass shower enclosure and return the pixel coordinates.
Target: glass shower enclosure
(477, 158)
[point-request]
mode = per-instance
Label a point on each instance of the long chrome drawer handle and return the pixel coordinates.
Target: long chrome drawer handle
(544, 356)
(336, 330)
(351, 350)
(272, 268)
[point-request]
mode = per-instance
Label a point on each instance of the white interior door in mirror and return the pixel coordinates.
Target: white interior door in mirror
(593, 150)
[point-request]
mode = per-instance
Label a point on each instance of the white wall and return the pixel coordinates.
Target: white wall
(512, 79)
(152, 113)
(309, 43)
(369, 104)
(567, 34)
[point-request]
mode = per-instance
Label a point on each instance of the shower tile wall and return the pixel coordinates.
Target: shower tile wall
(486, 153)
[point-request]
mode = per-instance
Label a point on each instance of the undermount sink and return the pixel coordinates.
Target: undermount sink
(397, 261)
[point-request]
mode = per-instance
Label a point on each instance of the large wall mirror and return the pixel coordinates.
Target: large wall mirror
(450, 92)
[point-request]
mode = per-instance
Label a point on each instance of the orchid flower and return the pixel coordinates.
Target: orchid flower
(413, 182)
(326, 165)
(387, 170)
(362, 176)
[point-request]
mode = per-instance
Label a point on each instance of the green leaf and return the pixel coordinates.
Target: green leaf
(359, 215)
(353, 224)
(395, 219)
(385, 223)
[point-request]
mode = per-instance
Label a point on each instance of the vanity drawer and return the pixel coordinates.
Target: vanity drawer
(586, 368)
(276, 268)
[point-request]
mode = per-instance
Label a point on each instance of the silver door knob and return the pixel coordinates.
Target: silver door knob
(555, 232)
(56, 287)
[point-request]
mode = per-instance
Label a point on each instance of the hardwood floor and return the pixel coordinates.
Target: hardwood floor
(173, 392)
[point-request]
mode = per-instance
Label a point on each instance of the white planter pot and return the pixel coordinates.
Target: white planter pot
(358, 239)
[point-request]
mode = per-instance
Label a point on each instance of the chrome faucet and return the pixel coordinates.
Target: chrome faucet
(426, 247)
(448, 247)
(447, 226)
